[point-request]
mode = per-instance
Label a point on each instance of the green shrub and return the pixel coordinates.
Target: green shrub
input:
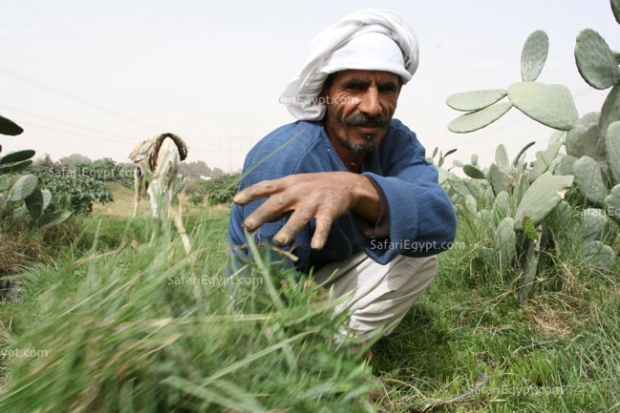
(78, 192)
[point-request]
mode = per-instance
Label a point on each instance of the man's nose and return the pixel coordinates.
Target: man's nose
(370, 103)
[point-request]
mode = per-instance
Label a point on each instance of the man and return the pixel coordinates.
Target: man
(348, 186)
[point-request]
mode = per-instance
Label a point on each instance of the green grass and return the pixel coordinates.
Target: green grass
(124, 331)
(558, 352)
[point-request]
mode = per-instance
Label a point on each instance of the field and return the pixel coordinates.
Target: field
(113, 319)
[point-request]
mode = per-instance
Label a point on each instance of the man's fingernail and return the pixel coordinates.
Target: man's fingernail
(280, 241)
(249, 225)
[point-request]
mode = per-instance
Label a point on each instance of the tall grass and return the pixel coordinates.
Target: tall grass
(558, 352)
(136, 324)
(150, 328)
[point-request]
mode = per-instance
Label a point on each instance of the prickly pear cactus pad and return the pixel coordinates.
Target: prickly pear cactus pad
(594, 225)
(615, 8)
(565, 166)
(501, 158)
(557, 136)
(8, 127)
(543, 161)
(473, 121)
(588, 118)
(585, 141)
(612, 146)
(589, 180)
(505, 241)
(463, 187)
(610, 111)
(475, 100)
(497, 179)
(534, 55)
(599, 255)
(23, 188)
(595, 61)
(501, 205)
(18, 156)
(541, 198)
(517, 160)
(612, 204)
(551, 105)
(473, 172)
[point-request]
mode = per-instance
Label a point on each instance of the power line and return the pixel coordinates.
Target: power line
(66, 122)
(89, 128)
(141, 76)
(75, 98)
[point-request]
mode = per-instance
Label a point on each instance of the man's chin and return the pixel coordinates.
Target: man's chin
(365, 147)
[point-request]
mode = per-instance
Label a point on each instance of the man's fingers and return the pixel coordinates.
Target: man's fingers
(323, 225)
(295, 223)
(272, 210)
(257, 191)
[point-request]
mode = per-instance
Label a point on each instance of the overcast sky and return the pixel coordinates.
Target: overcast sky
(97, 77)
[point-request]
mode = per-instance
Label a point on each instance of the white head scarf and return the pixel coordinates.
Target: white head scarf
(364, 40)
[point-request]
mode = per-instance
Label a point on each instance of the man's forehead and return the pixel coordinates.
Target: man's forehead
(366, 76)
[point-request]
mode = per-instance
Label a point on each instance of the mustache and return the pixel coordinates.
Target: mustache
(362, 119)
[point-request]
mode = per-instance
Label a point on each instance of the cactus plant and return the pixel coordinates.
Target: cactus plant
(505, 242)
(612, 150)
(592, 145)
(8, 127)
(473, 172)
(442, 157)
(24, 200)
(476, 100)
(473, 121)
(599, 254)
(595, 60)
(534, 55)
(551, 105)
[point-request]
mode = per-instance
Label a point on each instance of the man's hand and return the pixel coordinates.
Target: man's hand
(324, 196)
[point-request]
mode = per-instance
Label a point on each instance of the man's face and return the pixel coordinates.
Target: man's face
(360, 106)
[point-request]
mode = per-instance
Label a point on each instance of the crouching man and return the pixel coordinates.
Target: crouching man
(346, 184)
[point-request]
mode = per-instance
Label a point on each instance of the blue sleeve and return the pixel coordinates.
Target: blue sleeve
(270, 159)
(422, 218)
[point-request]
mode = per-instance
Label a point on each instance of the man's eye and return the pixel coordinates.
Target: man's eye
(356, 87)
(388, 88)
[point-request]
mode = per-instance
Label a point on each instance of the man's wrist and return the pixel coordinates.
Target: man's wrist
(366, 199)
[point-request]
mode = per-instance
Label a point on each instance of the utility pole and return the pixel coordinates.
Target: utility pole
(234, 143)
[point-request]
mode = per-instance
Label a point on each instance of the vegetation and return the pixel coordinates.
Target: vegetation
(120, 317)
(220, 190)
(521, 202)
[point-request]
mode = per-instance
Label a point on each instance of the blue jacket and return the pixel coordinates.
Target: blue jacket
(422, 219)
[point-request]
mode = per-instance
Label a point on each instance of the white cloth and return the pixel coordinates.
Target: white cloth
(379, 295)
(366, 53)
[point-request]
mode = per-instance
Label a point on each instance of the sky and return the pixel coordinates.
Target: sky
(97, 77)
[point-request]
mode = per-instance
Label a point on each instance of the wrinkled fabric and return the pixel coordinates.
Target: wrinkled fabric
(422, 219)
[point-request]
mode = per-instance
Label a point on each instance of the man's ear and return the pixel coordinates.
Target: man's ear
(326, 86)
(323, 93)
